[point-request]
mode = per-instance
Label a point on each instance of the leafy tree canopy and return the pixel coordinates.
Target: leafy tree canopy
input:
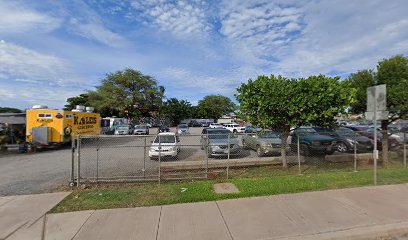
(177, 110)
(279, 103)
(214, 106)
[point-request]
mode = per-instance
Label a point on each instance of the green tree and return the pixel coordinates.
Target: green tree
(123, 93)
(10, 110)
(176, 110)
(361, 81)
(394, 73)
(214, 106)
(82, 99)
(279, 103)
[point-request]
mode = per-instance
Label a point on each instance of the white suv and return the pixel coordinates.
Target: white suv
(215, 125)
(234, 128)
(166, 144)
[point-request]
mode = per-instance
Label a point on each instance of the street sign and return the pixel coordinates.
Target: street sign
(377, 98)
(376, 110)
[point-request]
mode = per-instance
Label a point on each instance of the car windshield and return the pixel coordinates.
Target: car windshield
(270, 134)
(219, 134)
(140, 127)
(182, 126)
(165, 139)
(123, 128)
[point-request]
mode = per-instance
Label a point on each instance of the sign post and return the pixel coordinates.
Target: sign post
(376, 110)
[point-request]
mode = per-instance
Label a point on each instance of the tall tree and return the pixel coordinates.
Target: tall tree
(361, 81)
(214, 106)
(82, 99)
(394, 73)
(123, 93)
(279, 103)
(176, 110)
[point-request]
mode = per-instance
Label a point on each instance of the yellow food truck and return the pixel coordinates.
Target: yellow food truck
(47, 127)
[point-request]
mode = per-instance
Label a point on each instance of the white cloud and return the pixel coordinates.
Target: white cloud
(344, 37)
(181, 18)
(17, 62)
(15, 18)
(95, 30)
(257, 28)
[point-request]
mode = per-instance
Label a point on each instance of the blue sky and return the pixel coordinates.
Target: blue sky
(51, 50)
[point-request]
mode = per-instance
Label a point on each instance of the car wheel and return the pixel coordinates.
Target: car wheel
(341, 147)
(244, 146)
(235, 131)
(304, 150)
(259, 151)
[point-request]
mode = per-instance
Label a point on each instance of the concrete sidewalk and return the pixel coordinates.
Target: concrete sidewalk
(357, 213)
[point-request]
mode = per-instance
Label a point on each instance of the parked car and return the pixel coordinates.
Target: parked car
(183, 129)
(311, 142)
(165, 144)
(215, 125)
(347, 139)
(163, 128)
(141, 130)
(234, 128)
(123, 130)
(267, 142)
(205, 124)
(194, 123)
(215, 142)
(368, 131)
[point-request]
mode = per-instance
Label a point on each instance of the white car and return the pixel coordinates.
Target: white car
(215, 125)
(166, 144)
(234, 128)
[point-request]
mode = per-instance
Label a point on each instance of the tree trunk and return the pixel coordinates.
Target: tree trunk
(284, 144)
(384, 140)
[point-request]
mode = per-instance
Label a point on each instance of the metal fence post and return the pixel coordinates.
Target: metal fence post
(206, 159)
(72, 160)
(79, 161)
(97, 159)
(159, 159)
(144, 158)
(405, 150)
(355, 151)
(228, 147)
(298, 154)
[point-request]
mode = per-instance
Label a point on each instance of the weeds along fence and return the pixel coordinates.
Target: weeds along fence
(157, 158)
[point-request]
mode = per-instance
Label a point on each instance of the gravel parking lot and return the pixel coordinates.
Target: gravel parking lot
(109, 157)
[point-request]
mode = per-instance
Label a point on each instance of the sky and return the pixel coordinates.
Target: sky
(51, 50)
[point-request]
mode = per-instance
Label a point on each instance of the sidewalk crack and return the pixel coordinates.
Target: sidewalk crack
(83, 224)
(158, 224)
(223, 219)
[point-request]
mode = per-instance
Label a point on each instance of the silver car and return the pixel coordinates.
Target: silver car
(182, 129)
(122, 130)
(268, 142)
(141, 130)
(219, 142)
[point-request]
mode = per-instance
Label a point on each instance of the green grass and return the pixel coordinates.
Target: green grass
(252, 183)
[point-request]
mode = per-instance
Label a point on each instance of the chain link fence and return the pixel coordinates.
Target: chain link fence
(169, 156)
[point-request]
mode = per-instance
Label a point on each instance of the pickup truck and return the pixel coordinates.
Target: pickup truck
(311, 142)
(234, 128)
